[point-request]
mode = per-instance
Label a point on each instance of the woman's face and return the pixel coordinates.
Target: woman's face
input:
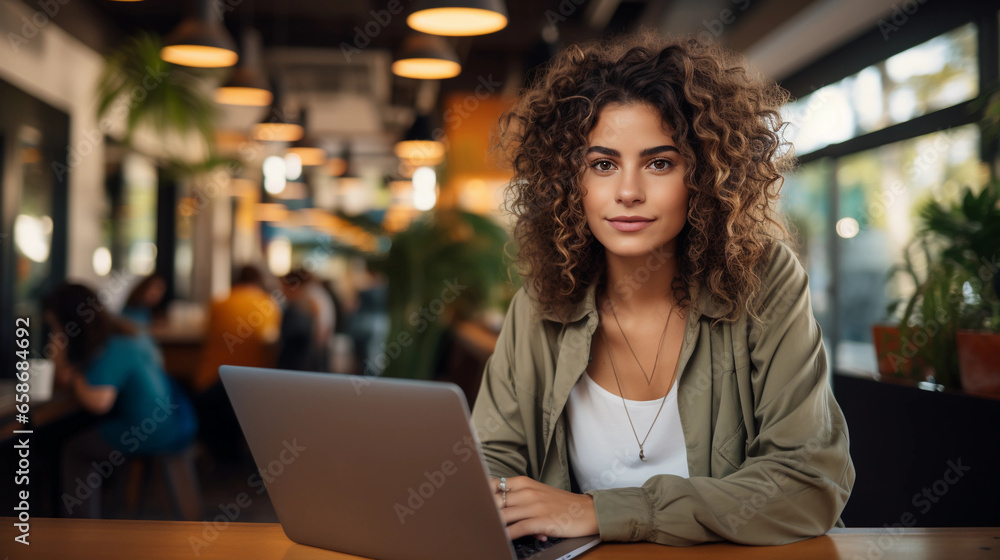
(634, 171)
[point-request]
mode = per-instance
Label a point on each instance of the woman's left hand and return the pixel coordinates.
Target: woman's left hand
(534, 508)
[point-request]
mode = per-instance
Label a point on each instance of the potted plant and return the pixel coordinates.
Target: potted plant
(157, 108)
(950, 324)
(971, 229)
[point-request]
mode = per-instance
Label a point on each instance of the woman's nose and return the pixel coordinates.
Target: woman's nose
(630, 189)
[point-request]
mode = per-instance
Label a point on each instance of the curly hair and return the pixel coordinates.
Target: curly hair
(726, 125)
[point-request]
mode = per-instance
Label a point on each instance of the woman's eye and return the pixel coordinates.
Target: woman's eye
(599, 165)
(661, 164)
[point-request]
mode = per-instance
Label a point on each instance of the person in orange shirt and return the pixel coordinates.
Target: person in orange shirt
(243, 330)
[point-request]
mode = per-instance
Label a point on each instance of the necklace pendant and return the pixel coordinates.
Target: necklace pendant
(642, 455)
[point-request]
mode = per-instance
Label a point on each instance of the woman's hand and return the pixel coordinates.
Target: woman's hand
(534, 508)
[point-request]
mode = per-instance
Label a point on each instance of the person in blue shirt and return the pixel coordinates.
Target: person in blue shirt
(115, 372)
(144, 300)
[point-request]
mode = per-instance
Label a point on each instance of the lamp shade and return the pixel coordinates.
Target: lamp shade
(426, 57)
(309, 152)
(418, 146)
(307, 148)
(246, 85)
(458, 17)
(280, 125)
(200, 41)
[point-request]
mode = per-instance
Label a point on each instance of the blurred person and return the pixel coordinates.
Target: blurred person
(114, 371)
(647, 172)
(144, 300)
(326, 320)
(243, 330)
(307, 290)
(370, 323)
(298, 346)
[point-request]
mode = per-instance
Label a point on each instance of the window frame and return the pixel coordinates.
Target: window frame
(877, 44)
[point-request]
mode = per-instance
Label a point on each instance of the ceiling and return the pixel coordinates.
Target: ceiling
(335, 24)
(355, 95)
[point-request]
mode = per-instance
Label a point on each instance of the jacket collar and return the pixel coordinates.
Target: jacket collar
(705, 304)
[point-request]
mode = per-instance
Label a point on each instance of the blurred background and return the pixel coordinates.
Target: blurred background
(308, 185)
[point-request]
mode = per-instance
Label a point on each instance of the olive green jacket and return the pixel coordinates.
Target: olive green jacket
(767, 444)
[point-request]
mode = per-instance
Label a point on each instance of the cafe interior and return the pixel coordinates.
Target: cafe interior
(310, 185)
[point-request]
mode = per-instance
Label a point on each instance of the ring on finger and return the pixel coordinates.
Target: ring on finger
(504, 498)
(503, 484)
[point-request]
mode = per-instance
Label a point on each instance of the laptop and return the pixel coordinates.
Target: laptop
(383, 468)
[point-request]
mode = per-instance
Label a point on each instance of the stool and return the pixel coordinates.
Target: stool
(178, 473)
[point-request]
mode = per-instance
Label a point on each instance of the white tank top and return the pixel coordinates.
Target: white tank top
(603, 452)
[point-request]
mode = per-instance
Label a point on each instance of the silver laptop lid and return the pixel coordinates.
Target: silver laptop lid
(384, 468)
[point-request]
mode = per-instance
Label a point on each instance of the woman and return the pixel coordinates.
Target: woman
(662, 357)
(114, 371)
(144, 300)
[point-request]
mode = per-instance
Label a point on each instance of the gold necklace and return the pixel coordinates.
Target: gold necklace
(607, 348)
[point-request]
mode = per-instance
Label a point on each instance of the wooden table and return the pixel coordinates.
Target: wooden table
(58, 539)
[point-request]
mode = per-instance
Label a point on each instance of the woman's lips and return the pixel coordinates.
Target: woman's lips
(629, 226)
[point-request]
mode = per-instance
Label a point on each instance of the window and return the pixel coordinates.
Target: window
(869, 158)
(939, 73)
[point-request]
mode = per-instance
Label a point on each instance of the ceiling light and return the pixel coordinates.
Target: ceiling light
(419, 147)
(426, 57)
(307, 149)
(458, 17)
(200, 41)
(246, 86)
(279, 125)
(309, 154)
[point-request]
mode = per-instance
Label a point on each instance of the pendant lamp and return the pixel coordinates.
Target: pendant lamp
(246, 86)
(307, 148)
(200, 41)
(418, 147)
(426, 57)
(280, 125)
(458, 17)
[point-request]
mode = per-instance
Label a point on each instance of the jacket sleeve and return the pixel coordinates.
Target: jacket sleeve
(496, 414)
(797, 474)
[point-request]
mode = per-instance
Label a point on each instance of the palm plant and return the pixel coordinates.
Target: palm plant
(149, 92)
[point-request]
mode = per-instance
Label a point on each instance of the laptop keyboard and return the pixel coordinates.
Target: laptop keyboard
(527, 546)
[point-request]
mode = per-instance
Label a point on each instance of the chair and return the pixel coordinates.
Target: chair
(179, 477)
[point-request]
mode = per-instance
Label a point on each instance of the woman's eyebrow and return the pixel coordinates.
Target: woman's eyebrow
(647, 152)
